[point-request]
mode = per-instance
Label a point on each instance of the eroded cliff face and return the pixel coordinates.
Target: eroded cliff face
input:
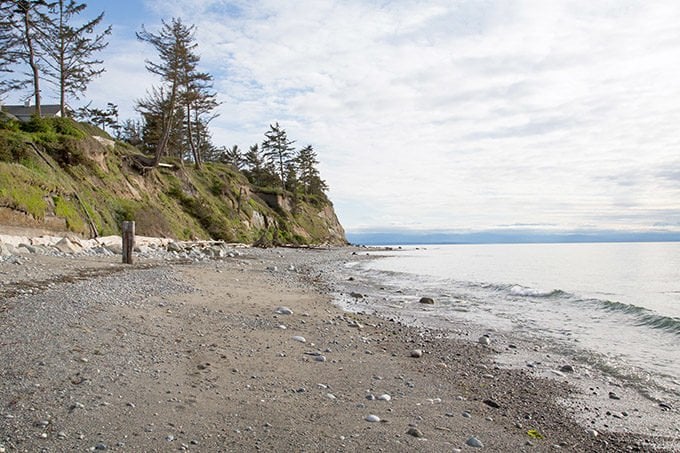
(89, 187)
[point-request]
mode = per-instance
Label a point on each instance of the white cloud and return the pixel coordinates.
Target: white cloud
(440, 114)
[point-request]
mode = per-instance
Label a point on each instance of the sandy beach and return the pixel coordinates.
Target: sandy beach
(247, 353)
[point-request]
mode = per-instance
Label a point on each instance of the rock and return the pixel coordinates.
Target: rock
(174, 247)
(384, 397)
(492, 403)
(415, 432)
(417, 353)
(101, 446)
(283, 311)
(30, 248)
(14, 260)
(299, 338)
(320, 358)
(372, 418)
(592, 432)
(614, 396)
(4, 250)
(665, 406)
(474, 442)
(567, 369)
(485, 340)
(356, 295)
(466, 414)
(426, 300)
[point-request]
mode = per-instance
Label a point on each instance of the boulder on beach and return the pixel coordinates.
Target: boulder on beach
(66, 246)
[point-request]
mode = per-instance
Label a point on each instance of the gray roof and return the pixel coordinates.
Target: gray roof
(23, 112)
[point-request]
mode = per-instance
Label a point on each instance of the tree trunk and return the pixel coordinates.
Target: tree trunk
(190, 137)
(165, 137)
(31, 61)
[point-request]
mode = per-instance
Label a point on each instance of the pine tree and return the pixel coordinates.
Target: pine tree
(277, 151)
(68, 50)
(189, 90)
(10, 48)
(233, 156)
(24, 19)
(309, 176)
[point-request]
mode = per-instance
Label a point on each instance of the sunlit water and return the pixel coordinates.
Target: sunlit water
(616, 306)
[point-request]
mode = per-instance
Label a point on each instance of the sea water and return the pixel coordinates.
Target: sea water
(615, 306)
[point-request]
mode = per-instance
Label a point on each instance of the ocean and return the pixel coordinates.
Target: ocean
(610, 306)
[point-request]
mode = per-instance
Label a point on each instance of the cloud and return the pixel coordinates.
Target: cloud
(440, 114)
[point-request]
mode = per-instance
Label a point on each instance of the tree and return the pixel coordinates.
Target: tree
(309, 177)
(10, 47)
(277, 151)
(189, 90)
(25, 20)
(131, 131)
(157, 119)
(233, 156)
(100, 117)
(68, 50)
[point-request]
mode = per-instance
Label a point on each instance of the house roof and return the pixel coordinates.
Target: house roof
(24, 112)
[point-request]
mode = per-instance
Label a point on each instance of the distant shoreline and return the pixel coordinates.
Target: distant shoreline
(443, 238)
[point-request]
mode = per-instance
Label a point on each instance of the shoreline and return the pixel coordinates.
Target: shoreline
(165, 356)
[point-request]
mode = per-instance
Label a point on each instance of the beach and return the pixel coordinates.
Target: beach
(247, 352)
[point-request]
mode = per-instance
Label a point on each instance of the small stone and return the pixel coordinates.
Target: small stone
(415, 432)
(356, 295)
(300, 339)
(485, 340)
(474, 442)
(384, 397)
(320, 358)
(593, 433)
(283, 311)
(372, 418)
(370, 397)
(426, 300)
(466, 414)
(330, 396)
(170, 438)
(101, 446)
(614, 396)
(492, 403)
(61, 435)
(417, 353)
(567, 369)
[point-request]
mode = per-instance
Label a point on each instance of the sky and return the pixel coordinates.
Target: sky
(443, 115)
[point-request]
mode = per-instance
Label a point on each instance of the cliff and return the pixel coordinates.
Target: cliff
(66, 176)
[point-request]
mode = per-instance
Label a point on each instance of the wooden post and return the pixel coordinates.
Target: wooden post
(128, 241)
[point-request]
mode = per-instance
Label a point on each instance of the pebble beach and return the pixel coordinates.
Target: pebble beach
(219, 347)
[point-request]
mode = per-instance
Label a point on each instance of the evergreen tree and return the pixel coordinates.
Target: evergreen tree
(10, 48)
(68, 50)
(24, 20)
(277, 151)
(189, 91)
(157, 119)
(233, 156)
(309, 176)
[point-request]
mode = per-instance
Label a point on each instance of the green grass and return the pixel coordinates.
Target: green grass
(185, 203)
